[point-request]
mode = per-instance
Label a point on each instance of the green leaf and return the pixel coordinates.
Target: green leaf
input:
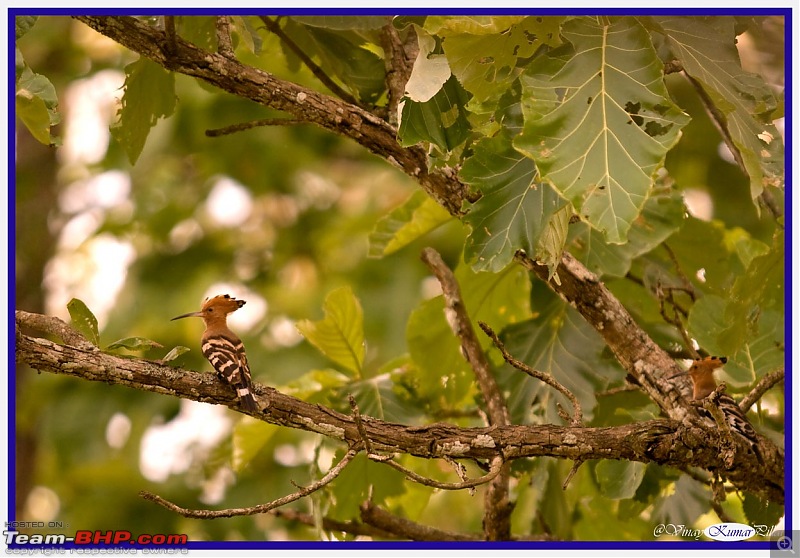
(443, 377)
(662, 215)
(551, 243)
(149, 96)
(23, 24)
(175, 352)
(442, 120)
(760, 288)
(343, 55)
(514, 209)
(761, 512)
(619, 479)
(316, 385)
(340, 336)
(497, 299)
(83, 320)
(475, 25)
(343, 23)
(249, 437)
(753, 348)
(598, 120)
(706, 47)
(485, 63)
(688, 502)
(363, 480)
(376, 397)
(560, 342)
(135, 344)
(416, 217)
(37, 105)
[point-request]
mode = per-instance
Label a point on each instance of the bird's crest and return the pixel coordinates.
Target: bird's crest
(225, 304)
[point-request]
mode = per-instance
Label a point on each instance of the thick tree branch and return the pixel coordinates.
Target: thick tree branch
(763, 386)
(304, 104)
(498, 506)
(666, 442)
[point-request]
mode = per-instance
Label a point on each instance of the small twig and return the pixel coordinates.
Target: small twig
(169, 30)
(614, 391)
(275, 28)
(350, 527)
(398, 68)
(497, 465)
(402, 527)
(224, 44)
(459, 321)
(577, 413)
(233, 128)
(763, 385)
(261, 508)
(687, 285)
(360, 424)
(575, 467)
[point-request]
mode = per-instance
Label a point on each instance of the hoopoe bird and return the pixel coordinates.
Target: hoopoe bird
(223, 348)
(701, 373)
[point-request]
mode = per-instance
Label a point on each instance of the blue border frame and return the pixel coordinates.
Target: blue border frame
(787, 13)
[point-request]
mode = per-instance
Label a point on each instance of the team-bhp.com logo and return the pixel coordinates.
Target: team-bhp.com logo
(95, 538)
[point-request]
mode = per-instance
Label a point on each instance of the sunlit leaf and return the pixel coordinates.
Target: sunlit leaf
(417, 216)
(249, 437)
(175, 352)
(149, 96)
(619, 479)
(599, 121)
(37, 105)
(135, 344)
(83, 320)
(316, 385)
(706, 47)
(340, 336)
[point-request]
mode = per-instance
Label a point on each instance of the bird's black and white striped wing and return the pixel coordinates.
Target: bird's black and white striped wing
(228, 358)
(737, 422)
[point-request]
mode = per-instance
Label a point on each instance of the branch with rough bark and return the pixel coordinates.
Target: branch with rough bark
(666, 442)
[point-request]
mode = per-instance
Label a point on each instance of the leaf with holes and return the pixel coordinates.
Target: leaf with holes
(83, 320)
(706, 47)
(340, 336)
(599, 121)
(514, 209)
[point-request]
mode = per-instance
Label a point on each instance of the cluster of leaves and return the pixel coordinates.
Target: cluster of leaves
(573, 136)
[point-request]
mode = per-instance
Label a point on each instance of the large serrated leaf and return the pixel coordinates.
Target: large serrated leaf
(558, 341)
(619, 479)
(514, 209)
(84, 320)
(706, 47)
(486, 63)
(149, 96)
(661, 216)
(417, 216)
(599, 121)
(340, 335)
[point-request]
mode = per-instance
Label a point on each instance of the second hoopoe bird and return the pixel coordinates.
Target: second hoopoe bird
(223, 348)
(703, 384)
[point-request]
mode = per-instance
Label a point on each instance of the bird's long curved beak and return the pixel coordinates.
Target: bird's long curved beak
(189, 315)
(684, 373)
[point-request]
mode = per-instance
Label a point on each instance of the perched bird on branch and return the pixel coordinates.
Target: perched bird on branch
(223, 348)
(703, 383)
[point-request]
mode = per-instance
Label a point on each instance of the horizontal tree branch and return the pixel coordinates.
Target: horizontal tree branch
(666, 442)
(261, 87)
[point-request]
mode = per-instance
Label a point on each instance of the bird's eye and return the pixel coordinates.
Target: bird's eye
(210, 309)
